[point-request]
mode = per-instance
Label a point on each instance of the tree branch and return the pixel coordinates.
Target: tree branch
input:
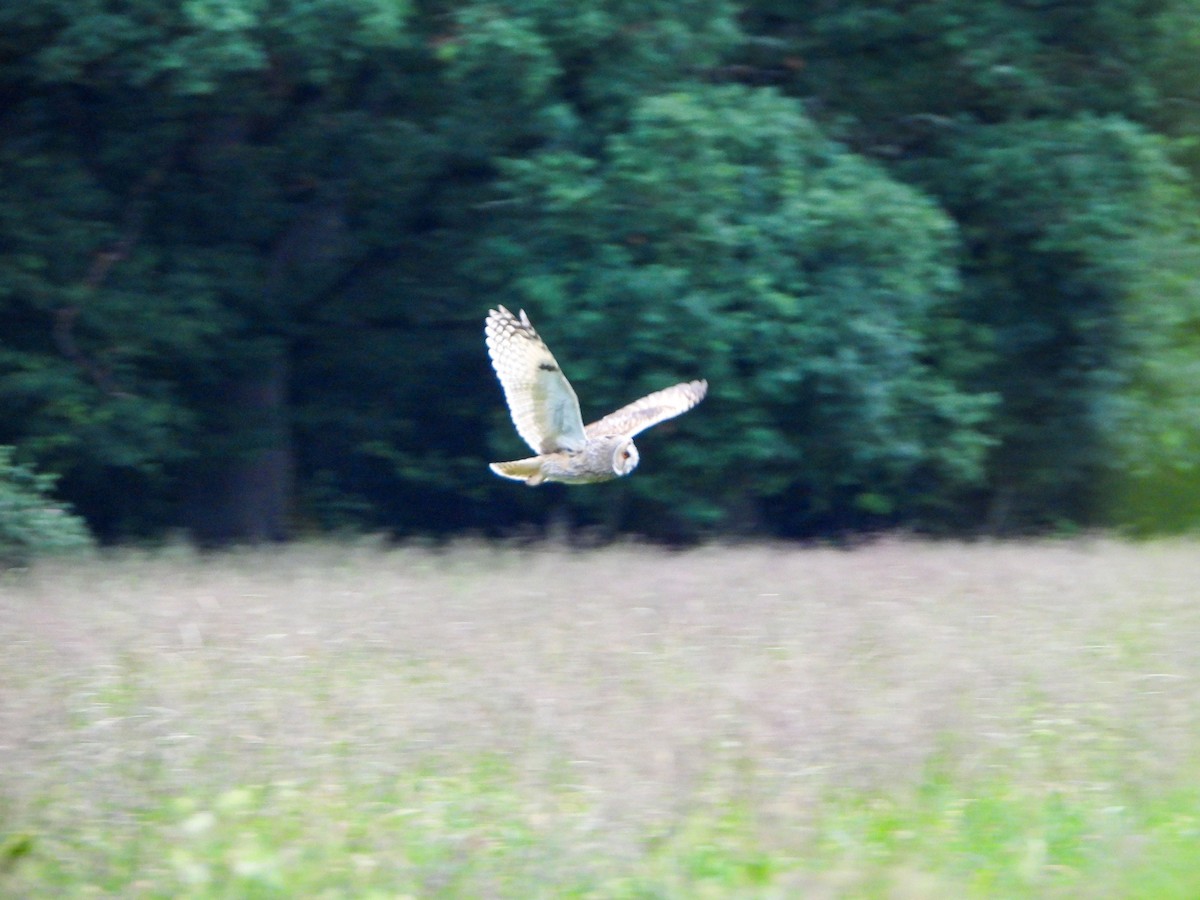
(103, 262)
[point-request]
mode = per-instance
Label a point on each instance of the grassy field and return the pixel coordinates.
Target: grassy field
(906, 719)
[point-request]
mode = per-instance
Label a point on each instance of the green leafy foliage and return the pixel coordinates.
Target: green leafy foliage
(1079, 265)
(32, 522)
(722, 235)
(937, 259)
(1032, 125)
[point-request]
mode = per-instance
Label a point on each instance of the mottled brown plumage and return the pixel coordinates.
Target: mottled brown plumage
(546, 412)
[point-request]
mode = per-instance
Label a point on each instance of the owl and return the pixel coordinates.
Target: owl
(545, 411)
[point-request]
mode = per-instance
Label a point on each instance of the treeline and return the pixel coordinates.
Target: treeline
(939, 260)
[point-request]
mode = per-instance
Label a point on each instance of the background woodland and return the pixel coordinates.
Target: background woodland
(939, 261)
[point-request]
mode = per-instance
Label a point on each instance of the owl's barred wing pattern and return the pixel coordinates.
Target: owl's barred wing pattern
(542, 402)
(650, 410)
(545, 411)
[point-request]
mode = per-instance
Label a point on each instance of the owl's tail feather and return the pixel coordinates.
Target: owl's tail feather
(526, 470)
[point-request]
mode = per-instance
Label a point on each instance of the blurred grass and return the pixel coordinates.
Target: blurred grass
(900, 720)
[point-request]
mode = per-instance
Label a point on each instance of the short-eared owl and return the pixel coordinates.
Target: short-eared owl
(546, 411)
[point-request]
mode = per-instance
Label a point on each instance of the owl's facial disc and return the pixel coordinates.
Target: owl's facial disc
(625, 457)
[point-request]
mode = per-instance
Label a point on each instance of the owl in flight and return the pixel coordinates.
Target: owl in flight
(546, 411)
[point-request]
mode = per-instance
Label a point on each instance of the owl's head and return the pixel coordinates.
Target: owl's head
(625, 456)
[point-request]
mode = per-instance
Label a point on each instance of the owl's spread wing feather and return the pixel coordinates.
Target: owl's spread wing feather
(542, 402)
(650, 410)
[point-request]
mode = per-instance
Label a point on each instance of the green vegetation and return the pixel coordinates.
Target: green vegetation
(476, 833)
(903, 719)
(32, 523)
(938, 259)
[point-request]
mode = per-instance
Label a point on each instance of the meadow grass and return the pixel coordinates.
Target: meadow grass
(904, 719)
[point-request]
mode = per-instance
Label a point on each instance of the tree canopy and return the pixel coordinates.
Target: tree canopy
(938, 260)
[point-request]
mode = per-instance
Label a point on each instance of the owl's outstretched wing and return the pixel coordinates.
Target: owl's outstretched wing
(542, 402)
(650, 410)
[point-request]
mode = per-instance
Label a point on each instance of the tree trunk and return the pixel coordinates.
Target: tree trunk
(258, 483)
(246, 493)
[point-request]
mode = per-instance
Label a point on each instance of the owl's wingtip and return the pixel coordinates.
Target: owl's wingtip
(502, 312)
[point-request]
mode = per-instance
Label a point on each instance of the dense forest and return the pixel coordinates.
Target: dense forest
(938, 259)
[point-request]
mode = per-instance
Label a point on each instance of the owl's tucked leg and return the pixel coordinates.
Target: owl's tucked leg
(526, 470)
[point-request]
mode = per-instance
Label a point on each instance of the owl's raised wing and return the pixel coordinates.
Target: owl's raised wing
(650, 410)
(542, 402)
